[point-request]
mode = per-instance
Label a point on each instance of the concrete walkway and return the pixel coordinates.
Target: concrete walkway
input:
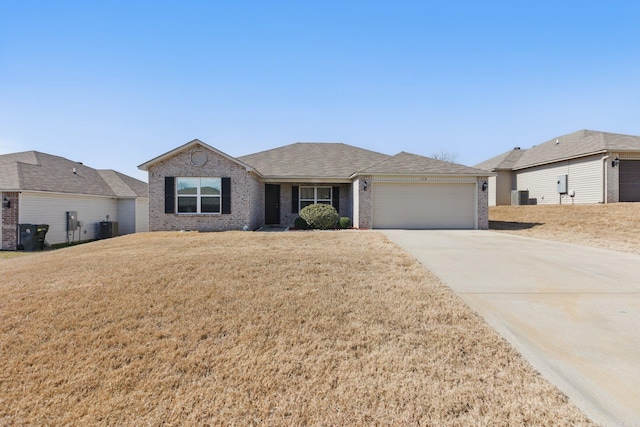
(572, 311)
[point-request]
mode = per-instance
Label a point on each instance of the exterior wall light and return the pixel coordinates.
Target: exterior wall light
(615, 162)
(364, 185)
(484, 186)
(6, 203)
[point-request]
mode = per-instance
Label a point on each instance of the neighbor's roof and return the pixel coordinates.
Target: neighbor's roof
(577, 144)
(36, 171)
(413, 164)
(503, 161)
(312, 160)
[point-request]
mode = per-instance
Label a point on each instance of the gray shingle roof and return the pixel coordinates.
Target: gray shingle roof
(312, 160)
(503, 161)
(577, 144)
(36, 171)
(413, 164)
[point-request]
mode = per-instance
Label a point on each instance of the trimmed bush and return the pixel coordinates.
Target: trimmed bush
(320, 216)
(300, 224)
(344, 222)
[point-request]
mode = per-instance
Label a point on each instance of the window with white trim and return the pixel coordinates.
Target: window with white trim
(199, 195)
(312, 195)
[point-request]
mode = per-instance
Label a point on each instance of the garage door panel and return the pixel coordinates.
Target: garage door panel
(629, 180)
(420, 206)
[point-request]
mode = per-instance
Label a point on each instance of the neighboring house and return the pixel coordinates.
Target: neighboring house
(197, 187)
(39, 188)
(581, 167)
(501, 185)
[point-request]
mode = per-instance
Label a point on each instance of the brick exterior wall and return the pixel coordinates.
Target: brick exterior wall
(287, 217)
(613, 180)
(483, 204)
(364, 217)
(247, 193)
(10, 221)
(365, 213)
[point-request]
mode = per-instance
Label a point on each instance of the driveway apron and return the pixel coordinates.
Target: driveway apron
(572, 311)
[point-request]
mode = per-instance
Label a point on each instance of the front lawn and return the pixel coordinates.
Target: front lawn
(242, 328)
(610, 226)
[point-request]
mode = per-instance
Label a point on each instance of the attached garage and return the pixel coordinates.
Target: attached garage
(629, 180)
(418, 205)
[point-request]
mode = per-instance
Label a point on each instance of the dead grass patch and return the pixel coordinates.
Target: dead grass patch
(11, 254)
(238, 328)
(610, 226)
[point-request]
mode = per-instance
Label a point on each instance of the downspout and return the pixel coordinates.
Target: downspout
(604, 168)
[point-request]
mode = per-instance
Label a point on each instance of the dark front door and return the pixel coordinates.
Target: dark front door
(271, 204)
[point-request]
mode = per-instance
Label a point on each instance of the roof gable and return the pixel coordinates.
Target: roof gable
(313, 160)
(194, 143)
(412, 164)
(503, 161)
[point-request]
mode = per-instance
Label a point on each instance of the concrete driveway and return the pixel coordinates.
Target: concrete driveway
(572, 311)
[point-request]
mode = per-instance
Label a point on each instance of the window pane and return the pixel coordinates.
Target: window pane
(306, 193)
(210, 204)
(210, 186)
(326, 202)
(324, 193)
(303, 204)
(187, 204)
(188, 186)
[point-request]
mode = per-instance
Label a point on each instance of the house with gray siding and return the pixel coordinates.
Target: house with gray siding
(197, 187)
(582, 167)
(40, 188)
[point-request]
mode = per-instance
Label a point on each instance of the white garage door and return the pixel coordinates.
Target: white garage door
(421, 205)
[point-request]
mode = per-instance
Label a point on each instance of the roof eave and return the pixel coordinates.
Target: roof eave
(563, 159)
(145, 166)
(309, 179)
(484, 173)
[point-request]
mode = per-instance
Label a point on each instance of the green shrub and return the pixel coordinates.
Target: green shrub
(300, 224)
(344, 222)
(320, 216)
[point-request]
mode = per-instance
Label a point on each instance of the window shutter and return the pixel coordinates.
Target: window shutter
(335, 198)
(169, 195)
(295, 197)
(226, 195)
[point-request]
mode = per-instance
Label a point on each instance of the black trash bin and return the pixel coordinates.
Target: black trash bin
(32, 236)
(27, 237)
(41, 231)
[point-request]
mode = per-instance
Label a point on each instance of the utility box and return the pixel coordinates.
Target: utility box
(72, 221)
(108, 229)
(32, 236)
(563, 186)
(519, 197)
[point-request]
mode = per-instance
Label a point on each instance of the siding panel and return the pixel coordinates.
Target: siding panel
(36, 208)
(493, 197)
(585, 178)
(126, 216)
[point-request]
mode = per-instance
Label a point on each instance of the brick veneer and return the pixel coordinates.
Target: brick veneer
(287, 217)
(483, 204)
(10, 221)
(245, 189)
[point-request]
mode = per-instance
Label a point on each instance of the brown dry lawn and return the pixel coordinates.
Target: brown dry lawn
(610, 226)
(240, 328)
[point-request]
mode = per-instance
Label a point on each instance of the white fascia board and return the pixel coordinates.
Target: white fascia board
(563, 159)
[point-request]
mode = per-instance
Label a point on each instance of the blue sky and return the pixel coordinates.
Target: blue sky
(116, 83)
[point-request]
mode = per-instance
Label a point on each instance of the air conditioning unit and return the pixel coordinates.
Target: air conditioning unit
(108, 229)
(519, 197)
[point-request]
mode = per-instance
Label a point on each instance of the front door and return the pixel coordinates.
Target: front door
(271, 204)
